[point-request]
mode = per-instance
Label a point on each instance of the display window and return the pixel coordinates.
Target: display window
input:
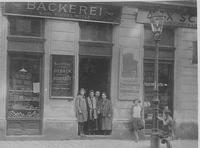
(165, 74)
(165, 88)
(24, 101)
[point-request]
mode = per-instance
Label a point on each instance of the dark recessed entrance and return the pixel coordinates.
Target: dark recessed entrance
(94, 73)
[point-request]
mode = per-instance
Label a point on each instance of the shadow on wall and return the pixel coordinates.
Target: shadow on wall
(187, 130)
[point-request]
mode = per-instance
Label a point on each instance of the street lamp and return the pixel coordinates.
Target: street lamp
(156, 21)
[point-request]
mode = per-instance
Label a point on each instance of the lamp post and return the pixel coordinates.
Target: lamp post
(156, 21)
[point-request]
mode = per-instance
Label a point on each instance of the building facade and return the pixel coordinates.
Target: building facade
(50, 50)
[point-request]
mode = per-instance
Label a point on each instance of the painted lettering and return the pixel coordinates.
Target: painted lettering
(41, 6)
(75, 11)
(169, 17)
(83, 9)
(100, 11)
(72, 8)
(31, 5)
(183, 18)
(62, 7)
(52, 7)
(93, 11)
(190, 19)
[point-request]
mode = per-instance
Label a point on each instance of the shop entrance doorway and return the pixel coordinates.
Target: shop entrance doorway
(94, 74)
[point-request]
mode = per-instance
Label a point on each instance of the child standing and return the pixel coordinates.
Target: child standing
(137, 118)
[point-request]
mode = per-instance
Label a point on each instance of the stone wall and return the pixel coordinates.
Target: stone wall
(3, 71)
(185, 84)
(59, 116)
(128, 38)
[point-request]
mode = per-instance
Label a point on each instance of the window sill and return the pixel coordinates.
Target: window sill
(25, 38)
(95, 43)
(162, 47)
(62, 98)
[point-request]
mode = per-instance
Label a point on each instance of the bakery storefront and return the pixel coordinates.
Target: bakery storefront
(49, 50)
(53, 49)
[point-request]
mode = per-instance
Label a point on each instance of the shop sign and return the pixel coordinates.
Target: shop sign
(72, 11)
(61, 76)
(171, 18)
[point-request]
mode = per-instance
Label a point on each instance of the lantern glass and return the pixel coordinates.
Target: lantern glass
(157, 20)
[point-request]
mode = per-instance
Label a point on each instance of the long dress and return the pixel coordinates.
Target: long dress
(81, 113)
(107, 114)
(92, 120)
(81, 109)
(99, 113)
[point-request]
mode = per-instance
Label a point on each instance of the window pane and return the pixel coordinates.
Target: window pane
(96, 31)
(25, 26)
(24, 96)
(165, 88)
(195, 53)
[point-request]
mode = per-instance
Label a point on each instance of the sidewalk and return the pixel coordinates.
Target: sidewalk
(105, 143)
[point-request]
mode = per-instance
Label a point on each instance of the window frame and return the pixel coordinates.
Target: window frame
(41, 27)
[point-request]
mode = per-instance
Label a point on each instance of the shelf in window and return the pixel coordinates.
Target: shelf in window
(24, 109)
(25, 38)
(25, 100)
(21, 91)
(23, 118)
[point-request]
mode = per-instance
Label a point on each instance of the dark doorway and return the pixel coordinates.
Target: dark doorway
(94, 73)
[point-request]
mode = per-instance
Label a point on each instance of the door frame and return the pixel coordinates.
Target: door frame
(98, 57)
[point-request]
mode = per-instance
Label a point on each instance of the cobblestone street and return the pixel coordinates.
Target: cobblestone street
(93, 144)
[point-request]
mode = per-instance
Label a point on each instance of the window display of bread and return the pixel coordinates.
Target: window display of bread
(28, 115)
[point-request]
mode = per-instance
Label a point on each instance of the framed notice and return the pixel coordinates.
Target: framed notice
(128, 75)
(62, 71)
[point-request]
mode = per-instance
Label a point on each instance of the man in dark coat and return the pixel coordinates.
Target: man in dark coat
(107, 114)
(99, 111)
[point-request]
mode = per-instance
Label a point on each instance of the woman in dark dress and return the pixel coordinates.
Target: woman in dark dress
(99, 112)
(107, 114)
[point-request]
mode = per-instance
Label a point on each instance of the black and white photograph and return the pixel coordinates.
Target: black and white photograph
(99, 74)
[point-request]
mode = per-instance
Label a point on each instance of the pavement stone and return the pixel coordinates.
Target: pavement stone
(102, 143)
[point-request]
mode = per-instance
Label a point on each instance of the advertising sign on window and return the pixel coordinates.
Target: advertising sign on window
(62, 76)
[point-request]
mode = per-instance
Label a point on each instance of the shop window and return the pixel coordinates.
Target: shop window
(24, 26)
(24, 102)
(165, 88)
(165, 73)
(62, 76)
(195, 53)
(96, 32)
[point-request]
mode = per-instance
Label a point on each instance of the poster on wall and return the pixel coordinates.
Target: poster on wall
(62, 76)
(128, 82)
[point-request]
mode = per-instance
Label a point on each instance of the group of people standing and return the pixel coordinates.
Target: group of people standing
(93, 112)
